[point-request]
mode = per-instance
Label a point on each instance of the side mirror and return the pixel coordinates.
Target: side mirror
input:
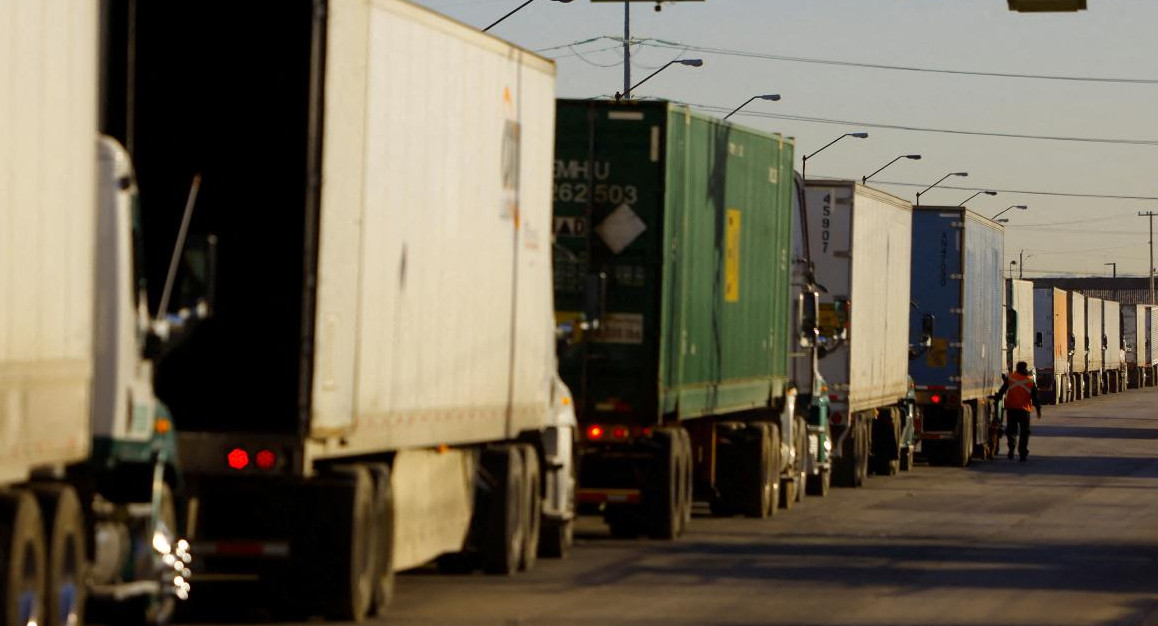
(595, 298)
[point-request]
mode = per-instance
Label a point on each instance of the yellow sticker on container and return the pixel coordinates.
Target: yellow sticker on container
(732, 256)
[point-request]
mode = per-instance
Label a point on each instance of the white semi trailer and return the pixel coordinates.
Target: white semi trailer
(1095, 357)
(1113, 347)
(860, 241)
(1051, 345)
(89, 484)
(377, 387)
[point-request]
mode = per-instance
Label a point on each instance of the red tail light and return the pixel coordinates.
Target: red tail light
(237, 459)
(935, 398)
(266, 459)
(619, 432)
(595, 432)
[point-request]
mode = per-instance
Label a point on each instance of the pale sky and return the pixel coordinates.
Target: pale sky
(1113, 39)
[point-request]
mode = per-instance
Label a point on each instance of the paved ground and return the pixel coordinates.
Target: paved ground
(1071, 537)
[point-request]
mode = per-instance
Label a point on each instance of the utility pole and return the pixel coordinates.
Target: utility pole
(1115, 268)
(1021, 265)
(1150, 214)
(627, 49)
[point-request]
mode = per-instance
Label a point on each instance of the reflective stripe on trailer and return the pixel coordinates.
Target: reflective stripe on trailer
(942, 435)
(599, 496)
(242, 548)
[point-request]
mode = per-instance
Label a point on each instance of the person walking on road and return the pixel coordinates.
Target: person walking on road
(1020, 394)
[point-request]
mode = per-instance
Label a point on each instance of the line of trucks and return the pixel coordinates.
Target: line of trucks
(269, 317)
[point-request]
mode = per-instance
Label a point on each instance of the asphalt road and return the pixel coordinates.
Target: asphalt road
(1071, 537)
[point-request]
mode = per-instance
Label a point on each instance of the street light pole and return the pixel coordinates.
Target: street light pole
(1021, 207)
(915, 157)
(938, 183)
(804, 161)
(770, 97)
(626, 49)
(688, 62)
(988, 193)
(1115, 268)
(1150, 214)
(515, 10)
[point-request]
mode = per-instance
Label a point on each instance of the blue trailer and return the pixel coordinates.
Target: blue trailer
(955, 324)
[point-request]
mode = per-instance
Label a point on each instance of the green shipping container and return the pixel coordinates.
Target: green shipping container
(689, 218)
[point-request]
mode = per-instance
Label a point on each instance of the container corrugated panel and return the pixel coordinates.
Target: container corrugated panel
(1049, 326)
(725, 290)
(860, 239)
(48, 164)
(1094, 334)
(689, 219)
(434, 306)
(1076, 329)
(1022, 302)
(1112, 323)
(957, 278)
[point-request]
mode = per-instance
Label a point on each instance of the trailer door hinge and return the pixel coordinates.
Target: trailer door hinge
(956, 344)
(954, 379)
(957, 224)
(956, 276)
(958, 310)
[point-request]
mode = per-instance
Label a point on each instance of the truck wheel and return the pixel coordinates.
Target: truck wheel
(534, 506)
(352, 577)
(771, 490)
(503, 543)
(792, 488)
(22, 560)
(383, 582)
(688, 477)
(907, 454)
(65, 574)
(661, 498)
(888, 436)
(559, 535)
(964, 450)
(851, 467)
(818, 484)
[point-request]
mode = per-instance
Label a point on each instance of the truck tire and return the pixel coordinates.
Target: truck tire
(350, 581)
(757, 485)
(886, 443)
(533, 493)
(559, 535)
(503, 538)
(66, 556)
(851, 467)
(688, 477)
(22, 560)
(963, 452)
(792, 488)
(383, 582)
(661, 497)
(819, 483)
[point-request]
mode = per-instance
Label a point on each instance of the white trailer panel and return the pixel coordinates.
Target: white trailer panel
(1021, 303)
(1134, 333)
(1077, 332)
(1094, 334)
(48, 140)
(434, 301)
(860, 240)
(1151, 335)
(1112, 327)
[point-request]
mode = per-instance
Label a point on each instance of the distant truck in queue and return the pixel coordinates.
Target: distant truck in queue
(1095, 347)
(1113, 347)
(860, 241)
(678, 226)
(377, 387)
(956, 318)
(90, 484)
(1018, 323)
(1079, 344)
(1051, 345)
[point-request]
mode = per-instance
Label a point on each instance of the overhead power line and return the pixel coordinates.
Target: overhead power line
(1060, 194)
(659, 43)
(921, 129)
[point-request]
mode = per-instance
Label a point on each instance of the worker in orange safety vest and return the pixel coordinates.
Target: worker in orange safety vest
(1020, 394)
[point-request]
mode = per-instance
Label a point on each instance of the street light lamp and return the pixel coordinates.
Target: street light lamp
(1016, 206)
(938, 183)
(804, 163)
(988, 193)
(516, 10)
(687, 62)
(770, 97)
(915, 157)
